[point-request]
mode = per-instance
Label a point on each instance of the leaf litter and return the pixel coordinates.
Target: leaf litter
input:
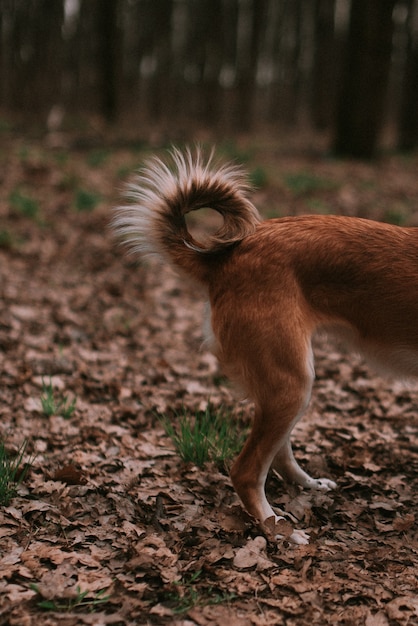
(108, 511)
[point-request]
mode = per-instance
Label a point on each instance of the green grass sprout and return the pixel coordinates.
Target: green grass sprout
(206, 436)
(86, 200)
(185, 596)
(79, 601)
(56, 404)
(24, 204)
(12, 472)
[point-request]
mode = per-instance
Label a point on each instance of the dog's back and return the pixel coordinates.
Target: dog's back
(353, 277)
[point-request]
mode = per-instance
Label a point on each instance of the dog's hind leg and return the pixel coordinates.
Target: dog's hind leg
(280, 383)
(285, 463)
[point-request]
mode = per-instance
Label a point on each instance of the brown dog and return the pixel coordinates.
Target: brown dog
(271, 285)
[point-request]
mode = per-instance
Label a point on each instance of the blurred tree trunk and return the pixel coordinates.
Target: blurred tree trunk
(361, 102)
(108, 57)
(227, 79)
(32, 49)
(324, 64)
(82, 59)
(3, 63)
(408, 118)
(253, 20)
(294, 62)
(47, 61)
(160, 94)
(210, 44)
(6, 59)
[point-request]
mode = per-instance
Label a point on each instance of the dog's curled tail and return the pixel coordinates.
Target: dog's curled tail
(162, 194)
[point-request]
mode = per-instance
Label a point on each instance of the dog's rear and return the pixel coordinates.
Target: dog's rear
(271, 285)
(161, 197)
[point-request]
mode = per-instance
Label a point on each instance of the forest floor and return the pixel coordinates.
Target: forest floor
(110, 526)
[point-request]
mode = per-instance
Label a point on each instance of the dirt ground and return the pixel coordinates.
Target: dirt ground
(108, 509)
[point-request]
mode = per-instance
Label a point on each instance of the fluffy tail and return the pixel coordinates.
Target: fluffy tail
(161, 196)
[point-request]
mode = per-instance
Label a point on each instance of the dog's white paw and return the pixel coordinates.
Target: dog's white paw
(299, 537)
(322, 484)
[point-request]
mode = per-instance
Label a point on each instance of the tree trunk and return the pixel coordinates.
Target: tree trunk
(361, 102)
(33, 51)
(247, 69)
(324, 64)
(160, 92)
(408, 118)
(109, 49)
(212, 96)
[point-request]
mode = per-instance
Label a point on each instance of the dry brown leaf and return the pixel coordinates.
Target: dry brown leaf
(377, 619)
(70, 475)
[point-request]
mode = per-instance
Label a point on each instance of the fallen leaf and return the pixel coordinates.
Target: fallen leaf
(70, 475)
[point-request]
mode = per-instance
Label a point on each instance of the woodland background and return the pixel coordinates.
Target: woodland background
(227, 65)
(318, 100)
